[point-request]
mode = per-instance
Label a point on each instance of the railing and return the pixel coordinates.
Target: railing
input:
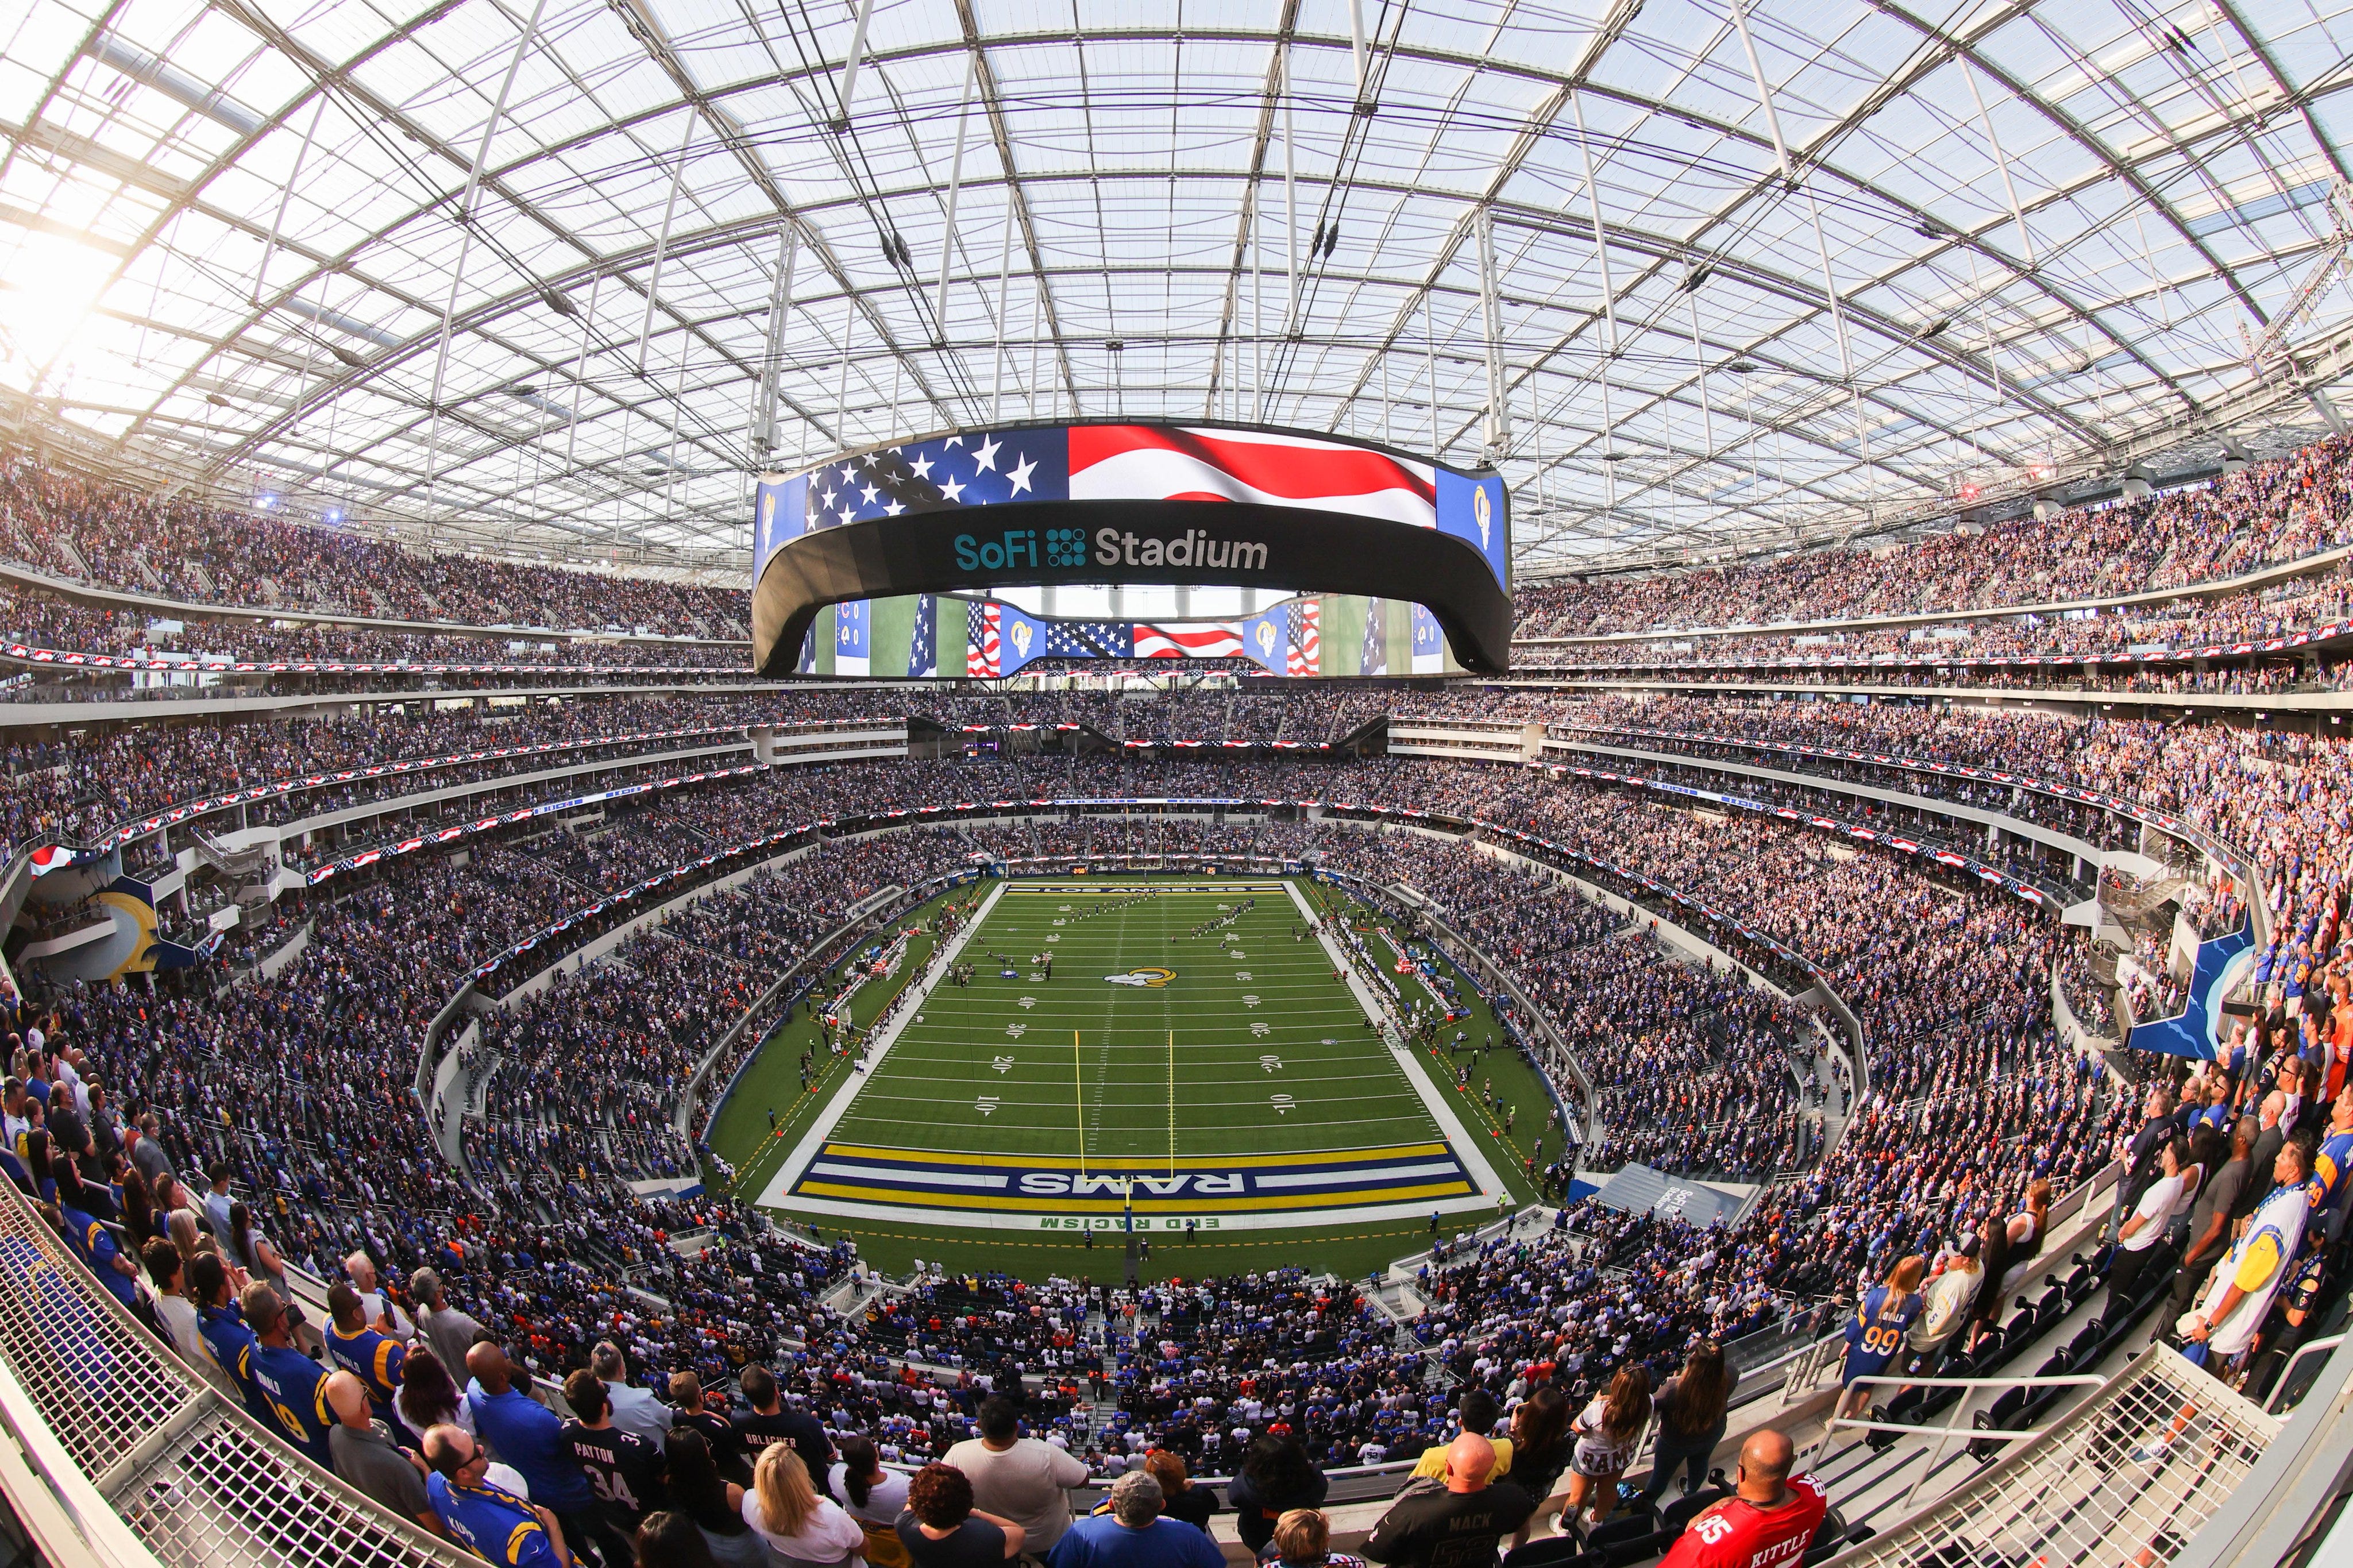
(2124, 1477)
(123, 1457)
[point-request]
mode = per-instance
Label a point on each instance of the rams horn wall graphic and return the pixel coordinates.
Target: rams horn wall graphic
(1214, 505)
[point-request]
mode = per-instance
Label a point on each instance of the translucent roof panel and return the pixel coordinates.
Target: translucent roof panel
(560, 276)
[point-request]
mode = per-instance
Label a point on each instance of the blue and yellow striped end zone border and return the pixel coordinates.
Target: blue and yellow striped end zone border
(1404, 1173)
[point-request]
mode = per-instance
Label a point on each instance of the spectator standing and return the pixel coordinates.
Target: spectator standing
(2144, 1229)
(1542, 1442)
(177, 1313)
(364, 1454)
(667, 1540)
(491, 1520)
(1945, 1306)
(1019, 1478)
(622, 1468)
(941, 1529)
(449, 1333)
(771, 1422)
(1609, 1431)
(1770, 1516)
(1477, 1412)
(1877, 1330)
(799, 1526)
(635, 1410)
(528, 1435)
(2240, 1294)
(2139, 1155)
(1454, 1523)
(714, 1503)
(1276, 1475)
(427, 1397)
(1134, 1535)
(2209, 1217)
(292, 1385)
(368, 1352)
(1694, 1408)
(1179, 1498)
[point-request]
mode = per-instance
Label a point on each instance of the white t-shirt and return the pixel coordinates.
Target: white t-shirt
(2156, 1206)
(828, 1535)
(884, 1499)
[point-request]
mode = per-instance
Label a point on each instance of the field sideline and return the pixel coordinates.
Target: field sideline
(1228, 1091)
(1183, 1056)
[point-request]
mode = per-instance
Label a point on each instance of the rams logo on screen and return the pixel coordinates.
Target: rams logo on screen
(1156, 978)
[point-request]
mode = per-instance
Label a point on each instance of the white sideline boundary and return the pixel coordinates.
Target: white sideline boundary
(1441, 1110)
(797, 1161)
(777, 1194)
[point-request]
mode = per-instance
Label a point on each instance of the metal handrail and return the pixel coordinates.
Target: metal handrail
(1947, 1431)
(2287, 1373)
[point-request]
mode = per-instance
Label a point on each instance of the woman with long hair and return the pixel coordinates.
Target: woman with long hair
(800, 1527)
(253, 1252)
(1693, 1410)
(1541, 1441)
(138, 1205)
(716, 1505)
(1878, 1328)
(666, 1539)
(429, 1396)
(875, 1497)
(1276, 1476)
(1608, 1432)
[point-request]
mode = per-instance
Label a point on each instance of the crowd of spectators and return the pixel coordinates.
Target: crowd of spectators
(112, 535)
(2269, 512)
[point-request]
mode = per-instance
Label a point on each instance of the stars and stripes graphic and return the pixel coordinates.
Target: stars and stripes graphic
(1157, 462)
(1219, 641)
(923, 641)
(1306, 650)
(960, 470)
(1090, 640)
(982, 648)
(1374, 659)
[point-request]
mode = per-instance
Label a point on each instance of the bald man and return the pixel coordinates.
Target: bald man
(365, 1456)
(1453, 1520)
(1769, 1520)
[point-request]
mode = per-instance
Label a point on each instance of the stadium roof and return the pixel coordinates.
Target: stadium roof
(506, 266)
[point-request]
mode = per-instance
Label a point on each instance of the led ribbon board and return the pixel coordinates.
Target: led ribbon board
(1196, 504)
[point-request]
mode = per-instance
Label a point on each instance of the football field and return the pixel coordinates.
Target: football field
(1180, 1057)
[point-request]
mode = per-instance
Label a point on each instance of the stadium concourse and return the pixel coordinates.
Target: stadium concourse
(480, 1076)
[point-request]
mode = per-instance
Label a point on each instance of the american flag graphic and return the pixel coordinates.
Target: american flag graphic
(960, 470)
(1151, 462)
(1220, 641)
(1090, 640)
(923, 643)
(1306, 650)
(981, 651)
(1375, 656)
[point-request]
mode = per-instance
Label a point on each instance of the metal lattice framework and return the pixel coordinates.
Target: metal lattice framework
(559, 276)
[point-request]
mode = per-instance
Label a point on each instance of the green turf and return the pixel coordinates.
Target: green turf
(1112, 1088)
(1253, 1047)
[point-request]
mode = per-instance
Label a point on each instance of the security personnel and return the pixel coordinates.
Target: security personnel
(294, 1385)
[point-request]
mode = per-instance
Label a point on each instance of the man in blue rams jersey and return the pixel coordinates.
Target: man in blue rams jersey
(294, 1385)
(498, 1525)
(368, 1352)
(96, 1246)
(227, 1338)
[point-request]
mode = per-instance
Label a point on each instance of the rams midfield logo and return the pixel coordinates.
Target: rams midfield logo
(1156, 978)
